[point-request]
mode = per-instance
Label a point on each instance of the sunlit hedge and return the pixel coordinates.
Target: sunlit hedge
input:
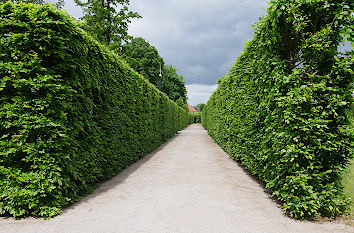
(72, 113)
(281, 109)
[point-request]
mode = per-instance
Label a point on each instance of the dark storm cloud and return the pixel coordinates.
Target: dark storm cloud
(201, 38)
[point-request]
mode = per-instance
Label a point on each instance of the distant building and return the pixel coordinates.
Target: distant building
(191, 109)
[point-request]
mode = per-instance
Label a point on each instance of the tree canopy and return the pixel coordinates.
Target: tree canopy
(172, 84)
(182, 103)
(144, 58)
(199, 107)
(105, 23)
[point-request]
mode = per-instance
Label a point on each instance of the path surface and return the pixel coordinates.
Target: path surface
(187, 185)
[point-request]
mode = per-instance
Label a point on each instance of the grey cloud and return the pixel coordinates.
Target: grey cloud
(199, 93)
(71, 8)
(208, 34)
(189, 34)
(202, 38)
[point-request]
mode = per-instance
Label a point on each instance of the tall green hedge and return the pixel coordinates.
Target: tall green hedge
(72, 113)
(280, 111)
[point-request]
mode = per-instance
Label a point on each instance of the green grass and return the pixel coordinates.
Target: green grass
(348, 177)
(348, 182)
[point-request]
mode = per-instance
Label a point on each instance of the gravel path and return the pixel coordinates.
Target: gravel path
(187, 185)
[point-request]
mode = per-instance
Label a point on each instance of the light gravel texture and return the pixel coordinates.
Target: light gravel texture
(187, 185)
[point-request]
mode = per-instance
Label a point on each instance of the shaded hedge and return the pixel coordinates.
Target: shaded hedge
(194, 117)
(280, 111)
(72, 113)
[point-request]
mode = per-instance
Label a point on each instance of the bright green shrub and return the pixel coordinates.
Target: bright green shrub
(194, 117)
(72, 113)
(281, 109)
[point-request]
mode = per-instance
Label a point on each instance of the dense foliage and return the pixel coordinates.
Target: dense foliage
(281, 109)
(107, 21)
(72, 113)
(182, 103)
(194, 117)
(200, 107)
(144, 58)
(172, 84)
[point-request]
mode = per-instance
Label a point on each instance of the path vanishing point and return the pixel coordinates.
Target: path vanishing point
(189, 184)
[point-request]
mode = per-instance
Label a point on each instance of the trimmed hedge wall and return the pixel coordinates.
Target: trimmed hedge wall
(280, 111)
(72, 113)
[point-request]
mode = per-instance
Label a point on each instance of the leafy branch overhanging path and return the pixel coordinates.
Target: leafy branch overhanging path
(187, 185)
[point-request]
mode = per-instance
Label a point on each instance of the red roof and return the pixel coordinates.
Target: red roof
(191, 109)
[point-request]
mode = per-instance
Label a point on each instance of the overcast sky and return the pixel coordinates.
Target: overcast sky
(201, 38)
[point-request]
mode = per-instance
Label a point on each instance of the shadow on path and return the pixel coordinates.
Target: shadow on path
(112, 183)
